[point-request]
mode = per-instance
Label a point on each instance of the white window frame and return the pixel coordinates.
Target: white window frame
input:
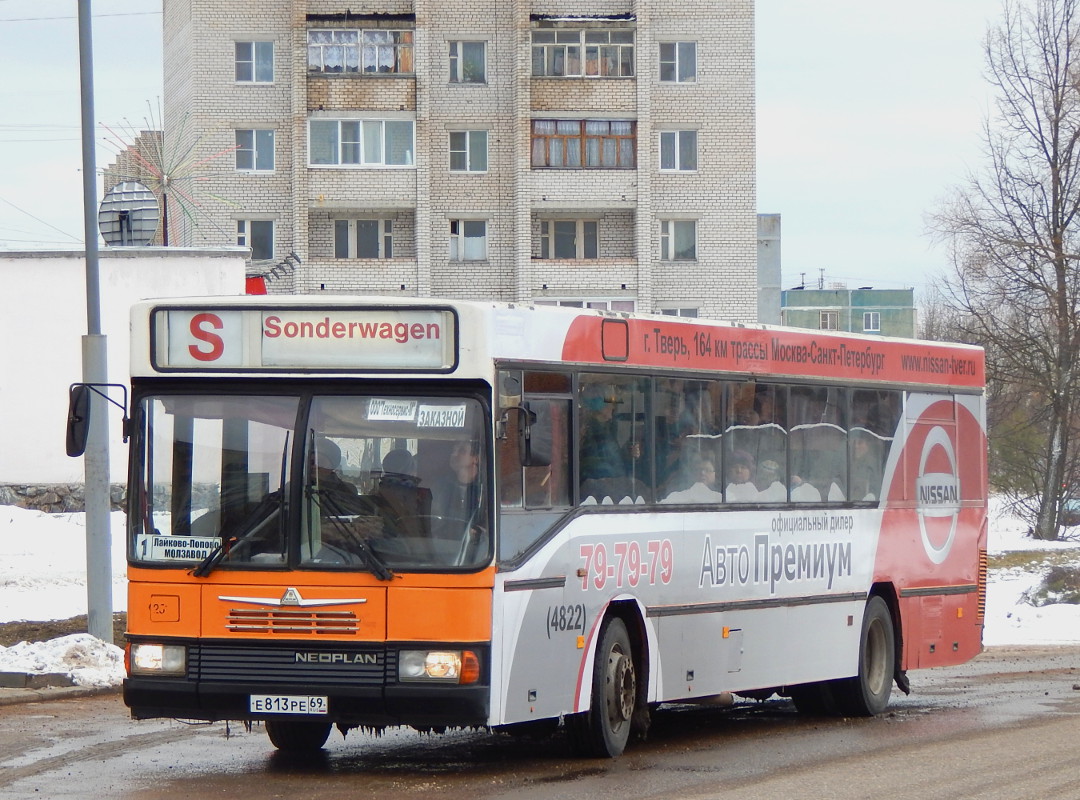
(245, 233)
(253, 62)
(461, 231)
(689, 312)
(352, 146)
(384, 235)
(361, 51)
(459, 61)
(670, 231)
(678, 151)
(829, 320)
(466, 153)
(673, 61)
(586, 238)
(254, 149)
(583, 52)
(871, 321)
(608, 304)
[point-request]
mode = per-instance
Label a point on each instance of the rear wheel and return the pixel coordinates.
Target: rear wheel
(297, 737)
(868, 692)
(604, 730)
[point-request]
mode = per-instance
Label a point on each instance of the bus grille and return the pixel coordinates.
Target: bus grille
(291, 623)
(297, 664)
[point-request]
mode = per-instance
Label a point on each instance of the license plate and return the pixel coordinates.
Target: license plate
(288, 704)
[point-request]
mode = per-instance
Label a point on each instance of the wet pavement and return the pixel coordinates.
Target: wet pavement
(1005, 725)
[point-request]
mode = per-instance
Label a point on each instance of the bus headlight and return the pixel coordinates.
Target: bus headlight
(442, 666)
(158, 659)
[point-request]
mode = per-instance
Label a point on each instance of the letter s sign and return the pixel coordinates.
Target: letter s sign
(200, 339)
(200, 329)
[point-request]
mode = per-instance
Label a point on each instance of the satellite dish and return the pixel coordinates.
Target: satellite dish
(128, 216)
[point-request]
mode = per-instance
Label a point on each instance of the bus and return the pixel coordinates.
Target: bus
(372, 512)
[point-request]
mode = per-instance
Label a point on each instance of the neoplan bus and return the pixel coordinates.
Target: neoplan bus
(377, 512)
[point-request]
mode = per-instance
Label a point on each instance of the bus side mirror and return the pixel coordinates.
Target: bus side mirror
(534, 433)
(78, 419)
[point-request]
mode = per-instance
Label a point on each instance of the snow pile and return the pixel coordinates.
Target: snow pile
(1009, 618)
(43, 564)
(88, 661)
(43, 577)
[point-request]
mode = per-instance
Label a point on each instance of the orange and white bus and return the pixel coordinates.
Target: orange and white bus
(388, 511)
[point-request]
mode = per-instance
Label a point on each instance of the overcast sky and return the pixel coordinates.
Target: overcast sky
(867, 113)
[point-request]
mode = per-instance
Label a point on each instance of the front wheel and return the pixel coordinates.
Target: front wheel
(604, 730)
(297, 737)
(867, 694)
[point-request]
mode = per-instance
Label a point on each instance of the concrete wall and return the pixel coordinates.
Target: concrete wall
(42, 322)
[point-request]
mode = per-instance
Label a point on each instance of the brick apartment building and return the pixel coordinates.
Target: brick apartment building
(597, 152)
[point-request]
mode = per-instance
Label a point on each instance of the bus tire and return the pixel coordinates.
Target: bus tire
(604, 730)
(867, 694)
(291, 736)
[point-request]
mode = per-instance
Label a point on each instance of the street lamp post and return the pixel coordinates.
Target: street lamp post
(95, 367)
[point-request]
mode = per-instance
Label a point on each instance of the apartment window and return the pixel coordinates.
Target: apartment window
(332, 51)
(258, 234)
(255, 150)
(680, 312)
(678, 151)
(590, 53)
(871, 321)
(468, 62)
(254, 62)
(468, 151)
(363, 238)
(365, 143)
(678, 62)
(678, 240)
(829, 320)
(569, 238)
(583, 144)
(603, 305)
(468, 240)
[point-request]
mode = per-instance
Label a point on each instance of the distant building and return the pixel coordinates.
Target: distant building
(768, 268)
(565, 151)
(883, 312)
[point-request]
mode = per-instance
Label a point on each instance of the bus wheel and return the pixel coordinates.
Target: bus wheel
(604, 730)
(297, 737)
(868, 692)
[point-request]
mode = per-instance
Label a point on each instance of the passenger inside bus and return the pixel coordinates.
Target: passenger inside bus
(458, 499)
(740, 489)
(404, 504)
(703, 490)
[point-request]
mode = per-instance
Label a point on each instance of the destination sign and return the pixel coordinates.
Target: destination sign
(286, 338)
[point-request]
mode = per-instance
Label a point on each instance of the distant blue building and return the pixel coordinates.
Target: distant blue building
(883, 312)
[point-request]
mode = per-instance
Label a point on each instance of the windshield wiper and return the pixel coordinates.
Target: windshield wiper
(252, 524)
(323, 498)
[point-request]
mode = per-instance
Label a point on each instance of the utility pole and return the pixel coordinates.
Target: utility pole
(95, 367)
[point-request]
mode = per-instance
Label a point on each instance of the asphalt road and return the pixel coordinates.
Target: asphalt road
(1006, 725)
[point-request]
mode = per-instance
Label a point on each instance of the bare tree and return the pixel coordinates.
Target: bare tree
(1013, 230)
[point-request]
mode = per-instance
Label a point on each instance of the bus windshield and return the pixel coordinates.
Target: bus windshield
(339, 482)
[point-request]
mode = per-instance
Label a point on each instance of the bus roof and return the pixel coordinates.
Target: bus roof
(319, 334)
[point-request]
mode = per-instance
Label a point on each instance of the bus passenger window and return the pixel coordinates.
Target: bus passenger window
(612, 457)
(755, 441)
(874, 417)
(818, 418)
(687, 434)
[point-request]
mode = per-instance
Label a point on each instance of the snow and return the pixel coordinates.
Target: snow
(43, 577)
